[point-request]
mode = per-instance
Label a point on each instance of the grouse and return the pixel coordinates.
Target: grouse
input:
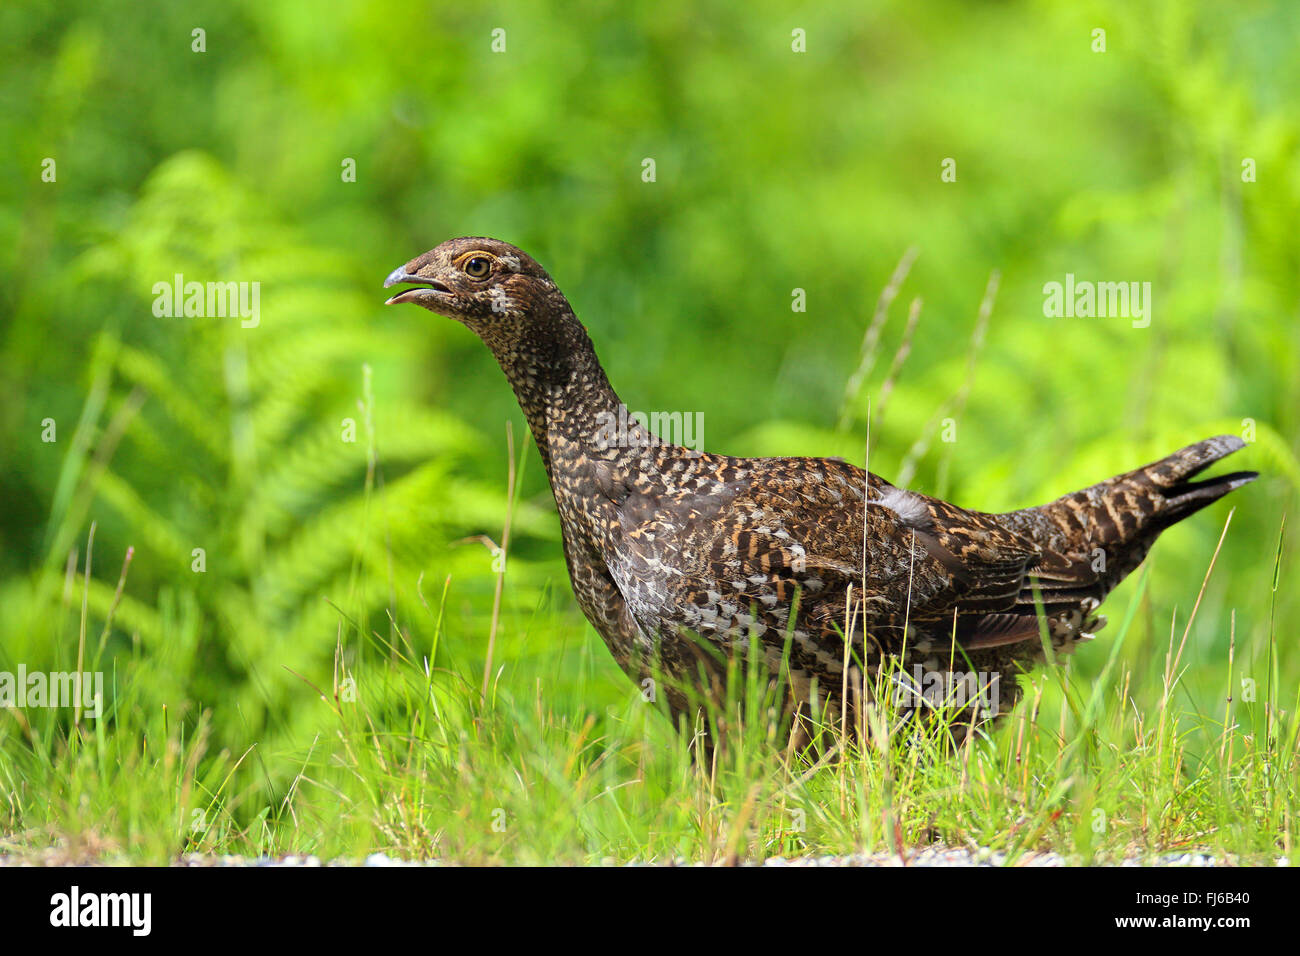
(682, 560)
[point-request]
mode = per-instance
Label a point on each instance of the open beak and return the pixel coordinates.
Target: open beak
(432, 288)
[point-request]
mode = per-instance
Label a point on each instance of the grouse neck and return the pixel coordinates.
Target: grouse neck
(571, 408)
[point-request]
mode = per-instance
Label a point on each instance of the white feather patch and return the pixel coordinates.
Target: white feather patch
(907, 506)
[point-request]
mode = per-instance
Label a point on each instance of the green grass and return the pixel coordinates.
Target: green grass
(409, 758)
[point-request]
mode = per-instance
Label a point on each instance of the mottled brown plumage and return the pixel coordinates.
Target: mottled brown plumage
(681, 559)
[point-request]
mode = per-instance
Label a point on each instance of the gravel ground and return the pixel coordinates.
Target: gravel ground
(928, 856)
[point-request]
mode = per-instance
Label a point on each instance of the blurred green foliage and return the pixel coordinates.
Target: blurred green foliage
(775, 170)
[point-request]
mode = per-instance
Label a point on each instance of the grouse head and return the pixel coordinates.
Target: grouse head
(488, 284)
(509, 301)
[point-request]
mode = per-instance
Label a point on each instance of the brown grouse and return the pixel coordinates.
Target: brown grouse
(681, 559)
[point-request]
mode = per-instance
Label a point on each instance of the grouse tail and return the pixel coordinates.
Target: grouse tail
(1121, 517)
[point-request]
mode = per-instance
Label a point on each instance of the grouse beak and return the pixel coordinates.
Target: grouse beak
(432, 291)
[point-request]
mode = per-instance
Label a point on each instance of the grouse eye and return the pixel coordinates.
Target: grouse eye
(478, 267)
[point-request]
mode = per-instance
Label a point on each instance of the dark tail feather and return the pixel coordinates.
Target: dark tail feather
(1191, 496)
(1175, 495)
